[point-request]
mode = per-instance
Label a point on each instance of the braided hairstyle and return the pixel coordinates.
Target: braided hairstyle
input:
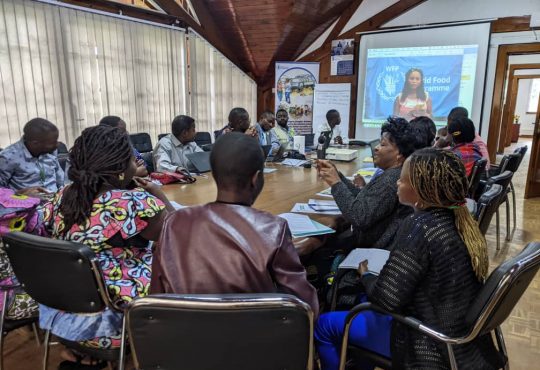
(98, 157)
(438, 178)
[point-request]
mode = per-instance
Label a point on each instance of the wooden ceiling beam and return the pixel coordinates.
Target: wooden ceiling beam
(370, 24)
(128, 10)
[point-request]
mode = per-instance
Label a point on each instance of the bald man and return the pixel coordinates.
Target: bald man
(227, 246)
(30, 166)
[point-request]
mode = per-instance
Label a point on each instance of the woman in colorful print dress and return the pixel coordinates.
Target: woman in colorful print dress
(99, 210)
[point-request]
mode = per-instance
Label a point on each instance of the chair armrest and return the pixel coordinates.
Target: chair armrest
(411, 322)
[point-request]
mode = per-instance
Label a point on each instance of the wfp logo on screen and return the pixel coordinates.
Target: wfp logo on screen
(389, 83)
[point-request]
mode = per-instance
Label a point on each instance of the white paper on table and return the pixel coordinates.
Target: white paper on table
(305, 208)
(376, 259)
(269, 170)
(325, 193)
(294, 162)
(299, 223)
(323, 205)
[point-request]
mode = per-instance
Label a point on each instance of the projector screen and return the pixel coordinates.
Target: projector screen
(423, 72)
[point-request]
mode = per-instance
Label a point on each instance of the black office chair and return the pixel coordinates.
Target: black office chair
(226, 332)
(487, 206)
(504, 179)
(161, 136)
(477, 173)
(203, 138)
(62, 148)
(65, 276)
(142, 142)
(148, 158)
(491, 307)
(8, 325)
(511, 163)
(216, 134)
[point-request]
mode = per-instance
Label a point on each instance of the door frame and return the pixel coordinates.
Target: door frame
(510, 105)
(497, 105)
(532, 187)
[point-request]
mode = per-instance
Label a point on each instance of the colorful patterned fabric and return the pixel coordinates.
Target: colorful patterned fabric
(17, 213)
(468, 153)
(111, 231)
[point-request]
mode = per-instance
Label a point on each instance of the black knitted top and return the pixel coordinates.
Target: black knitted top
(429, 276)
(374, 211)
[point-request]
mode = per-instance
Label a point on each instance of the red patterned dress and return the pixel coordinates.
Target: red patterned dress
(112, 231)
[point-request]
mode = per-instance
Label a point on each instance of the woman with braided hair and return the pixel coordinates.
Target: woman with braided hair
(436, 268)
(99, 210)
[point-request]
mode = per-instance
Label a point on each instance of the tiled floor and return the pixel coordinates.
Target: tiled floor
(521, 330)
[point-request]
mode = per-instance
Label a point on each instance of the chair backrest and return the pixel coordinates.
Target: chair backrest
(203, 138)
(216, 134)
(148, 161)
(502, 179)
(503, 289)
(142, 142)
(226, 332)
(478, 170)
(161, 136)
(57, 273)
(510, 162)
(62, 148)
(521, 151)
(487, 205)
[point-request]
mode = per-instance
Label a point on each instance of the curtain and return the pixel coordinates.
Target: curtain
(217, 86)
(74, 67)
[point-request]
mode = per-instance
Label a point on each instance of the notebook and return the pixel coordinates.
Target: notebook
(200, 160)
(376, 259)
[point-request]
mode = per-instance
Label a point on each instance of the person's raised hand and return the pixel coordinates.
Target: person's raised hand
(363, 267)
(359, 181)
(328, 172)
(251, 131)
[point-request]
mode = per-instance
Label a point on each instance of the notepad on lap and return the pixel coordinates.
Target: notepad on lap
(376, 259)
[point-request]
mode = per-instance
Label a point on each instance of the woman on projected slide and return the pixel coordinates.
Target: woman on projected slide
(413, 101)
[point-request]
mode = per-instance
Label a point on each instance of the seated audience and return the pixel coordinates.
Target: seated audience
(373, 209)
(30, 166)
(238, 122)
(425, 131)
(99, 210)
(17, 214)
(418, 280)
(170, 152)
(266, 135)
(333, 120)
(227, 246)
(454, 114)
(284, 133)
(115, 121)
(462, 132)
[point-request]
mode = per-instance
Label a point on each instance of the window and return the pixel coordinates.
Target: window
(533, 96)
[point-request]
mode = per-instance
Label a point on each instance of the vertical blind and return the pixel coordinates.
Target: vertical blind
(74, 67)
(217, 86)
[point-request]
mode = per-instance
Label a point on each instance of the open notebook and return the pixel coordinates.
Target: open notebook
(376, 259)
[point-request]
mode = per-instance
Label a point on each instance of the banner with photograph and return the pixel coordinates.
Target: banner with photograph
(342, 55)
(294, 86)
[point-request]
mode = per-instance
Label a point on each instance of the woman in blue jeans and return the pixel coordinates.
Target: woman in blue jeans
(418, 279)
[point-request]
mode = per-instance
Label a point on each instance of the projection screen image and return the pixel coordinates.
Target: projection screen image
(418, 81)
(420, 72)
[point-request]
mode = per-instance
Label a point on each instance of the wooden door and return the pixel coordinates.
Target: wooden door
(532, 188)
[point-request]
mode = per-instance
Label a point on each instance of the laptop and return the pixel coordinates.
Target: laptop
(373, 144)
(200, 160)
(266, 150)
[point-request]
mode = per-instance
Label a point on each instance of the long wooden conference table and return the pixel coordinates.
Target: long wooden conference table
(283, 188)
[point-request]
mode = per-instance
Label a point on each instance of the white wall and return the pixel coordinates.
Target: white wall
(522, 101)
(435, 11)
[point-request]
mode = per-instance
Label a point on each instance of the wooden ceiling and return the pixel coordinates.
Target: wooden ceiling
(265, 31)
